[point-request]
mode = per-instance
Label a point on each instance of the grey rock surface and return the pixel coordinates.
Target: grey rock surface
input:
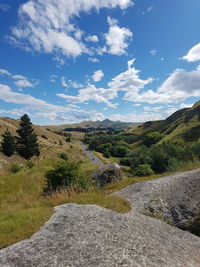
(107, 173)
(175, 197)
(88, 235)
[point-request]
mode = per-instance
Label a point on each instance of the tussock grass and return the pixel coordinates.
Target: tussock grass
(96, 197)
(23, 208)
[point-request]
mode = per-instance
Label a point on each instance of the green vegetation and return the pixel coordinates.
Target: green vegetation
(23, 205)
(14, 168)
(8, 144)
(27, 143)
(62, 174)
(152, 138)
(65, 174)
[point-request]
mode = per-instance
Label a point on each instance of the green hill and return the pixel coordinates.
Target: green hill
(181, 127)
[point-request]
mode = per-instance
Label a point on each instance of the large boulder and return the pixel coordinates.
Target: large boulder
(107, 173)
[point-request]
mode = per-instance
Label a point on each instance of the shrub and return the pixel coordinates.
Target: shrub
(143, 170)
(106, 153)
(65, 174)
(152, 138)
(63, 156)
(15, 168)
(30, 164)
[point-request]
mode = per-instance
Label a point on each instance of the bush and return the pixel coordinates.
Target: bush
(63, 156)
(15, 168)
(143, 170)
(30, 164)
(152, 138)
(65, 174)
(106, 153)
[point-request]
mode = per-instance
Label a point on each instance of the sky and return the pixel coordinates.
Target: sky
(66, 61)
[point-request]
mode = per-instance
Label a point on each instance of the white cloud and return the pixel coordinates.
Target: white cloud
(136, 117)
(150, 8)
(99, 95)
(117, 38)
(92, 38)
(180, 85)
(20, 77)
(97, 76)
(183, 105)
(46, 26)
(158, 108)
(193, 54)
(5, 72)
(40, 108)
(128, 81)
(70, 83)
(137, 105)
(93, 59)
(153, 52)
(23, 83)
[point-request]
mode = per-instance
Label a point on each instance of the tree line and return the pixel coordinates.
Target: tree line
(25, 144)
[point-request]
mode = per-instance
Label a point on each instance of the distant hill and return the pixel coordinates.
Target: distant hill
(45, 137)
(92, 125)
(181, 127)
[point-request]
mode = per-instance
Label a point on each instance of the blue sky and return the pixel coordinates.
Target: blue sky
(65, 61)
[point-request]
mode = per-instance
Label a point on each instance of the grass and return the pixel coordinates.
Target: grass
(96, 197)
(23, 209)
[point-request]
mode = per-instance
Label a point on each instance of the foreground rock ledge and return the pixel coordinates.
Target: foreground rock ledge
(88, 235)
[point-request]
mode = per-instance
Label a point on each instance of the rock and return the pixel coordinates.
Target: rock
(88, 235)
(107, 173)
(175, 198)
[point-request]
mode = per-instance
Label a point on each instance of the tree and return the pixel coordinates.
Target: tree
(152, 138)
(27, 143)
(8, 144)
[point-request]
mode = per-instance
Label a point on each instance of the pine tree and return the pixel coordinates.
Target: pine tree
(27, 143)
(8, 144)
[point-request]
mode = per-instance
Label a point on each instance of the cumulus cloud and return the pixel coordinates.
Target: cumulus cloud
(92, 38)
(97, 76)
(40, 108)
(128, 81)
(46, 26)
(117, 38)
(93, 59)
(4, 72)
(193, 54)
(180, 85)
(99, 95)
(136, 117)
(70, 83)
(23, 83)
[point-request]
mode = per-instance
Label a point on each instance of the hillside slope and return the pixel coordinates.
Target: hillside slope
(181, 127)
(45, 137)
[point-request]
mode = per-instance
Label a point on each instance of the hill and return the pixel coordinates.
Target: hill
(45, 137)
(181, 127)
(86, 126)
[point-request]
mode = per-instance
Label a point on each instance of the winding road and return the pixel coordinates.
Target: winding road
(93, 158)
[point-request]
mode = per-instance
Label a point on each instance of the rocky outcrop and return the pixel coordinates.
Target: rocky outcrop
(107, 173)
(87, 235)
(175, 198)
